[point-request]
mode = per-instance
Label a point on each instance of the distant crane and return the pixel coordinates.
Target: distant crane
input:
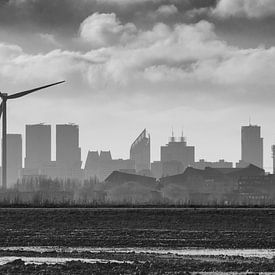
(3, 111)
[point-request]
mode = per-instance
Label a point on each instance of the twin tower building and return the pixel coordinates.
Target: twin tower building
(38, 152)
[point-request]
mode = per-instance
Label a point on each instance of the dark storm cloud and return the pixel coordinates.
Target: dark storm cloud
(59, 20)
(65, 16)
(235, 20)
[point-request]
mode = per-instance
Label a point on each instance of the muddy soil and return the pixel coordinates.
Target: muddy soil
(152, 265)
(210, 228)
(148, 228)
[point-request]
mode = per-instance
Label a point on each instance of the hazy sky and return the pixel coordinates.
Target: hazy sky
(201, 65)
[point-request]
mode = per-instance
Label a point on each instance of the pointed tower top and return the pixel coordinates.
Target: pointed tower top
(182, 138)
(172, 139)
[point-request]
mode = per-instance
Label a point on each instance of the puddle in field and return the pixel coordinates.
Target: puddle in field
(247, 253)
(49, 260)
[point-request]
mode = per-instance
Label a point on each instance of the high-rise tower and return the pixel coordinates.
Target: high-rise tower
(176, 156)
(252, 145)
(68, 152)
(140, 152)
(14, 158)
(38, 146)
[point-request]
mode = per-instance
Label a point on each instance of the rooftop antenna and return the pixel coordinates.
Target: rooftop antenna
(172, 138)
(3, 111)
(182, 137)
(249, 120)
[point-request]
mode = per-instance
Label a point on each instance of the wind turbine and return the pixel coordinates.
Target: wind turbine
(3, 111)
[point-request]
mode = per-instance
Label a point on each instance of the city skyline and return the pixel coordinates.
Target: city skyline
(203, 145)
(205, 66)
(39, 147)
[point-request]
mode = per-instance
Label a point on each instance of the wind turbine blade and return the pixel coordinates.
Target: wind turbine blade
(1, 109)
(20, 94)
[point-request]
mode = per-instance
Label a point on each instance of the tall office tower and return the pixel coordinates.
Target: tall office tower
(176, 156)
(140, 152)
(14, 158)
(38, 147)
(68, 152)
(252, 145)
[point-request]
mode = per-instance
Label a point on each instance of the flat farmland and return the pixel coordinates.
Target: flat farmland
(167, 228)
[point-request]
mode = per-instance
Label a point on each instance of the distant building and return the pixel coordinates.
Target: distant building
(50, 170)
(117, 177)
(92, 165)
(130, 188)
(14, 158)
(156, 169)
(172, 167)
(256, 190)
(241, 164)
(202, 164)
(38, 146)
(176, 156)
(211, 185)
(101, 165)
(68, 152)
(252, 145)
(140, 152)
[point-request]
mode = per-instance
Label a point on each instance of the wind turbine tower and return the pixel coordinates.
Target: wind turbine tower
(3, 111)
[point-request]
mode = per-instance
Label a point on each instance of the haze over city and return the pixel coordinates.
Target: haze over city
(200, 66)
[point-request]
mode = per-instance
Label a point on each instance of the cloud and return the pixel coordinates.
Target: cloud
(103, 30)
(245, 8)
(18, 68)
(8, 52)
(63, 17)
(128, 2)
(191, 56)
(162, 54)
(50, 38)
(167, 10)
(185, 60)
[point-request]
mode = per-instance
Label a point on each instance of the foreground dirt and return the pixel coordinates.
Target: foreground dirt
(211, 228)
(162, 228)
(148, 264)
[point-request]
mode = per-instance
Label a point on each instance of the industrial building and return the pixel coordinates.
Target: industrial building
(176, 156)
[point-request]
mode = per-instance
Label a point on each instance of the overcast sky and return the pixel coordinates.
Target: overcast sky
(203, 66)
